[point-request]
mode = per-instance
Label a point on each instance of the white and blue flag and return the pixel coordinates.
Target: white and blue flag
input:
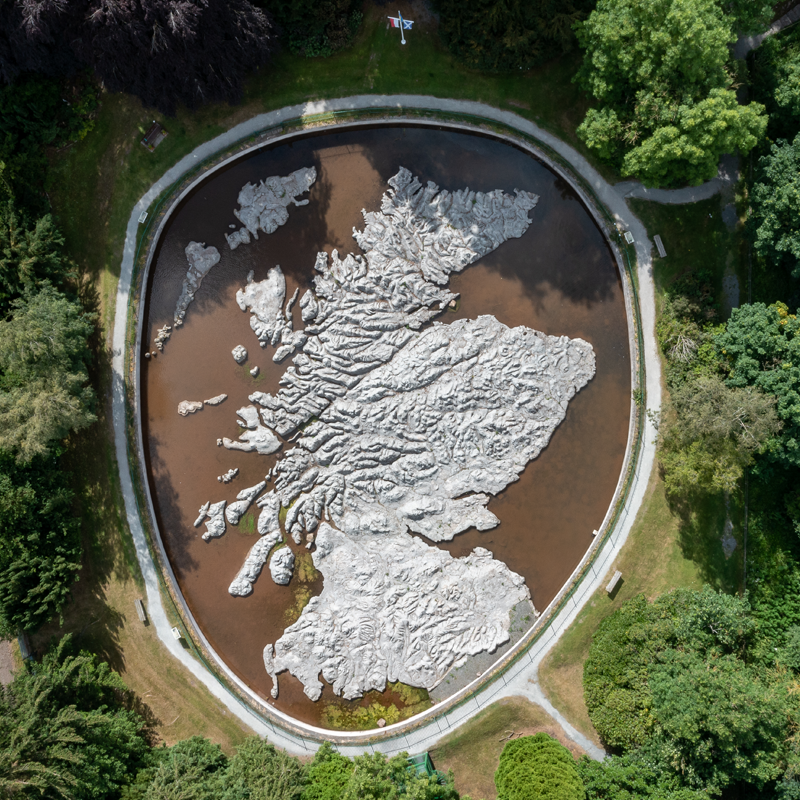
(403, 24)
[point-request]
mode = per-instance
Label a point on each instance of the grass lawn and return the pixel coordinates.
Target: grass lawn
(671, 545)
(695, 239)
(93, 186)
(473, 751)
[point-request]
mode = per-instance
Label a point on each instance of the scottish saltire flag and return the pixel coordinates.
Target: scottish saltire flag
(399, 22)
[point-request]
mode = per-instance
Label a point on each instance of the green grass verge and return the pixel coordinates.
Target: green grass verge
(696, 239)
(473, 750)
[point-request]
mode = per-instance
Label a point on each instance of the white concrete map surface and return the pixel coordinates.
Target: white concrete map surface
(393, 423)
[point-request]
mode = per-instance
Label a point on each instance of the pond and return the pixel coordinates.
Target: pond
(559, 278)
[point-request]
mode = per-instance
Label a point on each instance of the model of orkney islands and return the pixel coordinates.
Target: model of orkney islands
(397, 428)
(265, 206)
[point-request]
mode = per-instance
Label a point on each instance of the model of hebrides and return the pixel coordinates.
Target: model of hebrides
(415, 426)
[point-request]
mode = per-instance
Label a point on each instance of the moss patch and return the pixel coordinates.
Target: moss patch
(397, 703)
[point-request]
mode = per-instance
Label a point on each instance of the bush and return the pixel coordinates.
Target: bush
(537, 768)
(327, 775)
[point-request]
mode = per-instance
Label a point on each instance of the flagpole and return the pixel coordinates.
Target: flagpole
(402, 34)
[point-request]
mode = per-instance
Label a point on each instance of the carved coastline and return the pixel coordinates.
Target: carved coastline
(400, 424)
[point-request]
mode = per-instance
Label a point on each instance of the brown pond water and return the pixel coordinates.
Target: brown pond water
(559, 278)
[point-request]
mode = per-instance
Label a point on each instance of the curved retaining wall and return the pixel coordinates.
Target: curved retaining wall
(518, 666)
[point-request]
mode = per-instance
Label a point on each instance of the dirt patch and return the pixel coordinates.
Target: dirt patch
(8, 664)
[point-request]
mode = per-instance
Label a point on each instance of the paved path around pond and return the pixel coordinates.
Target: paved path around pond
(748, 43)
(521, 678)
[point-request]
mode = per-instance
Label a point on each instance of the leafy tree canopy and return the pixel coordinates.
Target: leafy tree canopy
(40, 548)
(775, 78)
(761, 348)
(775, 201)
(327, 775)
(627, 644)
(640, 775)
(43, 359)
(717, 431)
(659, 69)
(723, 721)
(375, 777)
(38, 112)
(673, 676)
(510, 35)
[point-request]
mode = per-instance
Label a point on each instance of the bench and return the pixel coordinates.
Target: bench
(154, 136)
(660, 245)
(614, 582)
(140, 612)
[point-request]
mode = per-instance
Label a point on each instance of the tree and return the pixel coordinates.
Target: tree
(723, 721)
(775, 202)
(35, 36)
(38, 112)
(169, 51)
(65, 730)
(659, 69)
(259, 770)
(40, 547)
(628, 643)
(316, 27)
(640, 775)
(672, 684)
(775, 82)
(534, 767)
(43, 359)
(29, 255)
(691, 145)
(715, 435)
(761, 348)
(327, 775)
(375, 777)
(190, 770)
(512, 35)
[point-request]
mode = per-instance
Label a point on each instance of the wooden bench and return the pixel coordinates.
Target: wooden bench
(660, 245)
(140, 612)
(154, 136)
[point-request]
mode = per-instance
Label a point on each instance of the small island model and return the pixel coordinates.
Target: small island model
(398, 424)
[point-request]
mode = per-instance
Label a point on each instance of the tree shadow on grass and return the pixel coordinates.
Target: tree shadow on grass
(108, 554)
(701, 522)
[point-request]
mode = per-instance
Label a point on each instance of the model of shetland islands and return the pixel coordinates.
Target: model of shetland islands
(415, 426)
